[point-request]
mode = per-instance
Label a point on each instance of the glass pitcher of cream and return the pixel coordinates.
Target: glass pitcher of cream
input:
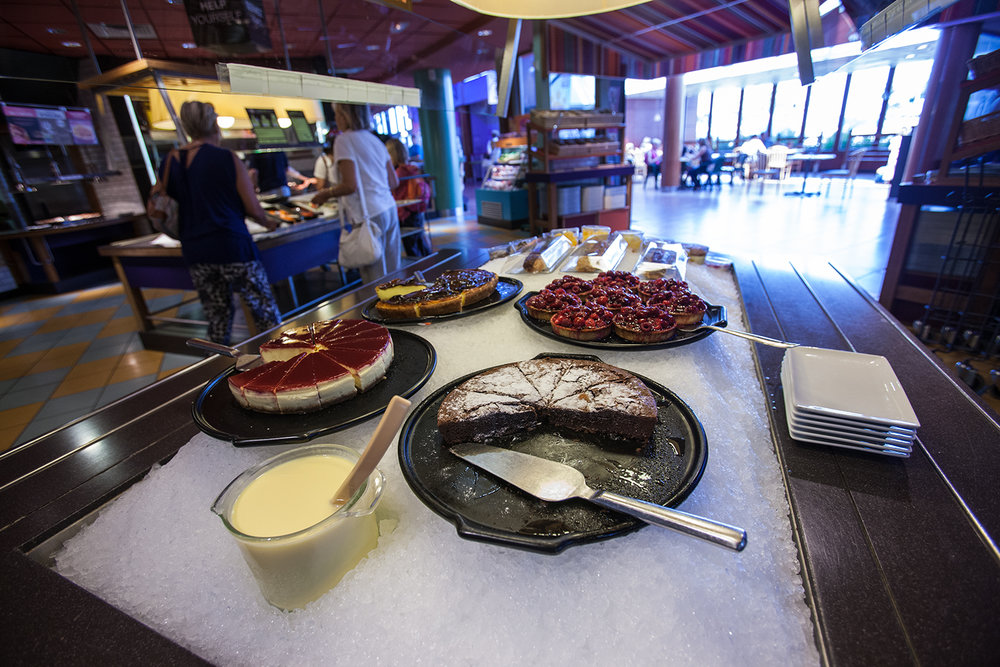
(297, 543)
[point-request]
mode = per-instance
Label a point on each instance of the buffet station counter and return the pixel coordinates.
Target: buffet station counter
(60, 254)
(155, 261)
(111, 552)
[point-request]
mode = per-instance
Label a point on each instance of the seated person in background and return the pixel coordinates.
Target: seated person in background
(752, 146)
(271, 174)
(654, 161)
(412, 215)
(324, 171)
(698, 163)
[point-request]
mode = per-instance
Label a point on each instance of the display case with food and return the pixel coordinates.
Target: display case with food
(501, 200)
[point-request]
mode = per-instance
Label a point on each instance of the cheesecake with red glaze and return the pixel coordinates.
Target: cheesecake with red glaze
(311, 367)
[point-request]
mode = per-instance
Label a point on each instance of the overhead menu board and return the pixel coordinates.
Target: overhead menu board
(303, 130)
(266, 128)
(32, 125)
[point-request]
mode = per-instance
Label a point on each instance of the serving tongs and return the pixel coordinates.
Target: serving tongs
(244, 362)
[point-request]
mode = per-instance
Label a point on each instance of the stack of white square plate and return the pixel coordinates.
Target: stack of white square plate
(846, 399)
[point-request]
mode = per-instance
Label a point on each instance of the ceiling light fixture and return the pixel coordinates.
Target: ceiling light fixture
(372, 47)
(398, 27)
(550, 9)
(55, 31)
(484, 33)
(189, 45)
(72, 45)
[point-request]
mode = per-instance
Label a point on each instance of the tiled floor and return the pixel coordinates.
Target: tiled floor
(63, 356)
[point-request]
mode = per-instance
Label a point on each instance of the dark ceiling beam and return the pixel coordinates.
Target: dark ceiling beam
(705, 36)
(751, 19)
(646, 56)
(690, 17)
(672, 33)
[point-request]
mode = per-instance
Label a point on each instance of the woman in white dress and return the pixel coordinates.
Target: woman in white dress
(366, 181)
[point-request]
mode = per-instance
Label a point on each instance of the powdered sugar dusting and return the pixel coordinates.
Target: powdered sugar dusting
(426, 596)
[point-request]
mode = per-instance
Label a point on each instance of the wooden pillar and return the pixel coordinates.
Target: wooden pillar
(673, 141)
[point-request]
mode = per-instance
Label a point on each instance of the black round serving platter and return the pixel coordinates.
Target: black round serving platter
(715, 315)
(217, 413)
(485, 508)
(507, 289)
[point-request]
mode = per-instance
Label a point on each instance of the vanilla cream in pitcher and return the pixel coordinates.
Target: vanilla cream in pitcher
(298, 543)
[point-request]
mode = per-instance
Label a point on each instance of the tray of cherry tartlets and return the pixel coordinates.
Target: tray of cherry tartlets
(618, 310)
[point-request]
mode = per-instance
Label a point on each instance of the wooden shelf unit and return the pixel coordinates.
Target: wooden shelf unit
(982, 134)
(544, 173)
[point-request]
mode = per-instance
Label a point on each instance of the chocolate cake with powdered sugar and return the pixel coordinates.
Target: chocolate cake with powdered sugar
(572, 394)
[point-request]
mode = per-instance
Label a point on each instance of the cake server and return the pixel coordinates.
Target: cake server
(552, 481)
(757, 338)
(244, 362)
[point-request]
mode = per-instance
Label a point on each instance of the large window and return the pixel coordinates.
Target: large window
(863, 108)
(824, 111)
(704, 112)
(725, 111)
(907, 97)
(789, 105)
(756, 109)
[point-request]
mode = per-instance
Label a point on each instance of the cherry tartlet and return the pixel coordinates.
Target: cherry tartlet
(612, 298)
(548, 302)
(584, 323)
(687, 309)
(645, 324)
(621, 279)
(573, 284)
(651, 288)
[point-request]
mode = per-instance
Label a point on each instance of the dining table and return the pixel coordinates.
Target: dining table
(111, 554)
(805, 158)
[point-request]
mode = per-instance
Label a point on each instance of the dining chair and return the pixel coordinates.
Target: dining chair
(736, 168)
(772, 165)
(848, 172)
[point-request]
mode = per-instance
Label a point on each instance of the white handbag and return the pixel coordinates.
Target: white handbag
(360, 241)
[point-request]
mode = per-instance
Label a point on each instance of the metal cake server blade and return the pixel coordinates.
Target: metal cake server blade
(555, 482)
(244, 362)
(757, 338)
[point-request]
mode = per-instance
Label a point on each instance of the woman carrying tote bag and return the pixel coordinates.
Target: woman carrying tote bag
(367, 180)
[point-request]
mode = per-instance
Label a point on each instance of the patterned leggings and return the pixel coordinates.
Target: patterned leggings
(217, 282)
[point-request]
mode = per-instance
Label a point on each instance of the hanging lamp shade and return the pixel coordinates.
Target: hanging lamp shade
(545, 9)
(231, 108)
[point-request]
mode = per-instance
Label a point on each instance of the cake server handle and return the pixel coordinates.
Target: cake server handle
(757, 338)
(210, 346)
(714, 531)
(243, 361)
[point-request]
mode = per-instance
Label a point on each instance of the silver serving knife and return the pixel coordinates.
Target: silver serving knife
(244, 362)
(554, 482)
